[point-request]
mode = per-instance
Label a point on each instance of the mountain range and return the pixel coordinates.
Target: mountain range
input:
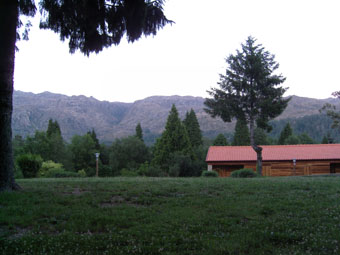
(111, 120)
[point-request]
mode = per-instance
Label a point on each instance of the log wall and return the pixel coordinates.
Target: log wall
(281, 168)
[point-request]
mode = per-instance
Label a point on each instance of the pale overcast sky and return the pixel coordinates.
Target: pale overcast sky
(187, 57)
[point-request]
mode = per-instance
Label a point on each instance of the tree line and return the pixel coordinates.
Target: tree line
(178, 152)
(286, 136)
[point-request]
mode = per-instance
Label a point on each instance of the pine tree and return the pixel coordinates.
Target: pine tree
(56, 145)
(220, 140)
(241, 135)
(261, 137)
(286, 132)
(304, 138)
(139, 132)
(94, 138)
(193, 128)
(249, 90)
(327, 139)
(324, 140)
(173, 139)
(53, 128)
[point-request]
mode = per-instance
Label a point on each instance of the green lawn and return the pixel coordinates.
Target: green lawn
(297, 215)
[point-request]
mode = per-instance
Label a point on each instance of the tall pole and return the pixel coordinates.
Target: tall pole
(97, 156)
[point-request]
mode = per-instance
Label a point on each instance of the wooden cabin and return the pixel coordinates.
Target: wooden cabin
(278, 160)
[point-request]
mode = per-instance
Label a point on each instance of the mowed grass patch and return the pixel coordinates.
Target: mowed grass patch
(172, 216)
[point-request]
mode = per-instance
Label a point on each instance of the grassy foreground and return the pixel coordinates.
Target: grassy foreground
(296, 215)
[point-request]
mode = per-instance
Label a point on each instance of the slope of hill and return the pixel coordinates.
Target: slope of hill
(79, 114)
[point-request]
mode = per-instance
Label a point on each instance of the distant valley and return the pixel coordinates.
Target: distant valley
(111, 120)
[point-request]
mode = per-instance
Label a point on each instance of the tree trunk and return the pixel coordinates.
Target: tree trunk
(256, 148)
(8, 24)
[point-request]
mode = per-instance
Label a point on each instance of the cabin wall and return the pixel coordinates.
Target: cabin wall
(280, 168)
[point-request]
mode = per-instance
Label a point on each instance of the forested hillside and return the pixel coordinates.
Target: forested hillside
(79, 114)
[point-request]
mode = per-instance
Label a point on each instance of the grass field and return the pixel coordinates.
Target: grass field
(298, 215)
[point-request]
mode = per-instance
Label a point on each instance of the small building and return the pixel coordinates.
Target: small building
(278, 160)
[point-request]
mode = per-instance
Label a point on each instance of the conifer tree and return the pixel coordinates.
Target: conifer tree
(304, 138)
(285, 133)
(324, 140)
(56, 145)
(261, 137)
(241, 135)
(94, 138)
(139, 132)
(220, 140)
(250, 90)
(193, 128)
(173, 139)
(53, 128)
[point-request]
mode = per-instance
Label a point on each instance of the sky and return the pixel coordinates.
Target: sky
(187, 57)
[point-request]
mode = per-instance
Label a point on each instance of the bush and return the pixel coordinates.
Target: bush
(143, 169)
(105, 171)
(82, 173)
(59, 173)
(48, 166)
(17, 171)
(209, 174)
(128, 173)
(150, 170)
(29, 164)
(183, 165)
(244, 173)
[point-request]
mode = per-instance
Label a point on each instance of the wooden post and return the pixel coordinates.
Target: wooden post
(97, 156)
(96, 167)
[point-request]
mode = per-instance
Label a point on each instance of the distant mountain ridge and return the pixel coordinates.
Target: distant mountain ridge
(111, 120)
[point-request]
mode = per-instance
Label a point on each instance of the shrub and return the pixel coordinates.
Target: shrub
(105, 171)
(17, 171)
(243, 173)
(183, 165)
(29, 164)
(48, 166)
(90, 171)
(151, 170)
(209, 174)
(128, 173)
(59, 173)
(143, 169)
(82, 173)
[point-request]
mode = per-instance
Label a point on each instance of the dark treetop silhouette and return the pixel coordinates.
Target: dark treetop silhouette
(90, 26)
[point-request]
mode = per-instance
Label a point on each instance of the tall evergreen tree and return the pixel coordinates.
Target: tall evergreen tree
(261, 137)
(90, 27)
(220, 140)
(53, 128)
(56, 148)
(327, 139)
(139, 132)
(94, 138)
(193, 128)
(304, 138)
(286, 132)
(241, 134)
(173, 139)
(249, 90)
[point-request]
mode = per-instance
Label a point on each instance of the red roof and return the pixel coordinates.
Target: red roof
(274, 152)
